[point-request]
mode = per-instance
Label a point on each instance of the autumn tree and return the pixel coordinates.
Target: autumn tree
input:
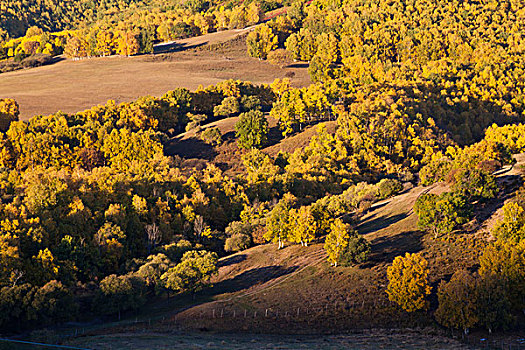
(52, 303)
(303, 226)
(211, 136)
(512, 225)
(193, 273)
(261, 41)
(228, 107)
(327, 54)
(9, 252)
(457, 302)
(9, 112)
(440, 214)
(302, 45)
(111, 239)
(237, 242)
(504, 261)
(494, 302)
(278, 221)
(154, 267)
(128, 43)
(119, 293)
(336, 241)
(251, 130)
(105, 42)
(408, 282)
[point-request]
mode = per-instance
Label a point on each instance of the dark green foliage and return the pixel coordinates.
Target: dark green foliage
(237, 242)
(251, 129)
(356, 252)
(441, 214)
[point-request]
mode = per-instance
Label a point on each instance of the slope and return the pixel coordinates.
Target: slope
(71, 86)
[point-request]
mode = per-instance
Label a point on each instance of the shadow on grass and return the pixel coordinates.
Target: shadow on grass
(274, 136)
(385, 249)
(508, 185)
(250, 278)
(174, 47)
(232, 260)
(377, 223)
(298, 65)
(190, 148)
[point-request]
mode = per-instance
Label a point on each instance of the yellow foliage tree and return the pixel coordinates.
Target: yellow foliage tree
(408, 282)
(303, 226)
(337, 240)
(261, 41)
(9, 112)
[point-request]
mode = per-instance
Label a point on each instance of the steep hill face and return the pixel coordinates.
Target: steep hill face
(296, 290)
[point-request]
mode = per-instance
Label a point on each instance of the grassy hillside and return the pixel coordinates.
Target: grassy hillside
(294, 290)
(46, 90)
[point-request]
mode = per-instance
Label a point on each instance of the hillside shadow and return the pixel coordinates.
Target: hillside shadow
(274, 136)
(508, 184)
(175, 47)
(251, 278)
(377, 223)
(190, 148)
(385, 249)
(229, 136)
(298, 65)
(232, 260)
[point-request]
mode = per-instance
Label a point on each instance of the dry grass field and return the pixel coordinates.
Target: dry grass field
(370, 340)
(72, 86)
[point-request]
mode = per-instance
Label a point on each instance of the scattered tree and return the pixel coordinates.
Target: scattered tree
(193, 273)
(251, 129)
(408, 282)
(261, 41)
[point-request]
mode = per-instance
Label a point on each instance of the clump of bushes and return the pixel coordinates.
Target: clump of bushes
(36, 60)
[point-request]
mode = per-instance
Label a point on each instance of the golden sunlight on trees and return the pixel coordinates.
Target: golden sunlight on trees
(408, 282)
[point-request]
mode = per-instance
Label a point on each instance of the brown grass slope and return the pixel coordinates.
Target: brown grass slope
(72, 86)
(196, 153)
(296, 290)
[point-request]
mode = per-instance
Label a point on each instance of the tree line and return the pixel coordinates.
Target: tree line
(124, 28)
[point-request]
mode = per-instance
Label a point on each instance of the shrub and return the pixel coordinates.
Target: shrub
(357, 251)
(388, 187)
(228, 107)
(212, 136)
(280, 57)
(237, 242)
(36, 60)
